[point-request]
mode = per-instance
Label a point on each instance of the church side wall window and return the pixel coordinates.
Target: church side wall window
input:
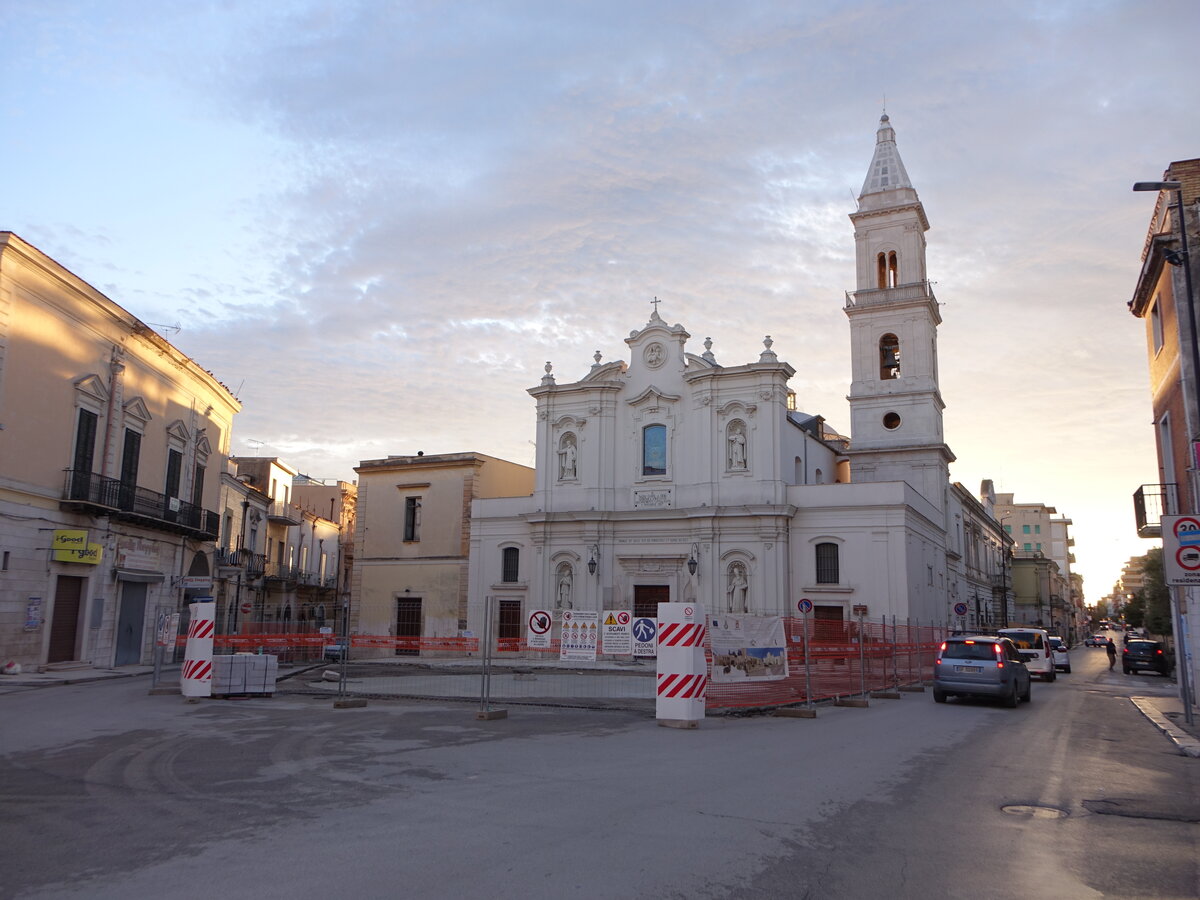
(893, 270)
(654, 450)
(881, 271)
(510, 565)
(827, 563)
(412, 518)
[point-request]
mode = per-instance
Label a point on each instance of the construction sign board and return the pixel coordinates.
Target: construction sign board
(617, 632)
(578, 639)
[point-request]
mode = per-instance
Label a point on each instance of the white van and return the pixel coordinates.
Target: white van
(1034, 644)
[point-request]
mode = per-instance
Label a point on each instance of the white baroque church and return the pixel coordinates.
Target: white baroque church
(667, 476)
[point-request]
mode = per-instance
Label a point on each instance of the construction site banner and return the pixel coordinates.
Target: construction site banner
(748, 648)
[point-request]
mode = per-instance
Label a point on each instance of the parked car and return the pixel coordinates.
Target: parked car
(1060, 654)
(1095, 640)
(1034, 645)
(981, 666)
(336, 651)
(1142, 654)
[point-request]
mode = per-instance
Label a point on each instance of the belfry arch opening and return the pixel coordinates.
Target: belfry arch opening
(889, 357)
(887, 269)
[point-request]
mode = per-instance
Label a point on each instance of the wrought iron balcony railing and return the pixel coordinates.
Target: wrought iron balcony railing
(254, 563)
(1150, 503)
(109, 496)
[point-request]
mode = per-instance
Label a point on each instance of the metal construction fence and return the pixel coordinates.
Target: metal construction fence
(836, 659)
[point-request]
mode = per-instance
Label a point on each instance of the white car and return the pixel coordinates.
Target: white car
(1034, 645)
(1060, 654)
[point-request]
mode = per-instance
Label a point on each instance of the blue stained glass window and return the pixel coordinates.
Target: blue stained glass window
(654, 450)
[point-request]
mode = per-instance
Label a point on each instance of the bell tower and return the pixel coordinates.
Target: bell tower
(895, 402)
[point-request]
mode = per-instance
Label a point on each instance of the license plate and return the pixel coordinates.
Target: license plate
(968, 668)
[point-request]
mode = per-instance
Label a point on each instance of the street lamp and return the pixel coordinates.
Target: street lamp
(1182, 258)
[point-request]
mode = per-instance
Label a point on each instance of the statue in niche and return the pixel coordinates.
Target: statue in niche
(739, 588)
(567, 456)
(737, 446)
(562, 598)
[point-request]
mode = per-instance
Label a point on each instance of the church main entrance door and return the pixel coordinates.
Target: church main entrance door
(646, 598)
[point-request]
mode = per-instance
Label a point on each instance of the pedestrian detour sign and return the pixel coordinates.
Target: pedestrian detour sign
(1181, 549)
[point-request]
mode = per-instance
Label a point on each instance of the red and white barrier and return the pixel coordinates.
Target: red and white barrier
(682, 669)
(195, 680)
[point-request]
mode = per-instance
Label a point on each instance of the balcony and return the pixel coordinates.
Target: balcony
(903, 293)
(96, 495)
(277, 572)
(284, 513)
(254, 564)
(1150, 503)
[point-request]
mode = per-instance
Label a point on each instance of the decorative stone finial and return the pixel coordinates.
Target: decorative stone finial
(596, 357)
(708, 354)
(548, 378)
(768, 355)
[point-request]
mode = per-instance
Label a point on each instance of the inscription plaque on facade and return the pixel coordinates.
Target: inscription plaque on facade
(660, 499)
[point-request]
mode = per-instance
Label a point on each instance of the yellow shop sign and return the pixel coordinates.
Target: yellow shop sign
(69, 539)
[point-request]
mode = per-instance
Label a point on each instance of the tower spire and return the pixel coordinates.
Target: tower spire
(887, 172)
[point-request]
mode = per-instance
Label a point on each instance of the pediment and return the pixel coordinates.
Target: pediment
(136, 409)
(93, 387)
(654, 397)
(203, 447)
(177, 431)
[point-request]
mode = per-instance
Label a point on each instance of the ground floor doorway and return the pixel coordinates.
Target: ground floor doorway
(131, 618)
(408, 625)
(646, 598)
(64, 624)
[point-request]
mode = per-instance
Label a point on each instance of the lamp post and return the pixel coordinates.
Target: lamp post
(1182, 258)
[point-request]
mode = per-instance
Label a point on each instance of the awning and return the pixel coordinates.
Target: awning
(141, 575)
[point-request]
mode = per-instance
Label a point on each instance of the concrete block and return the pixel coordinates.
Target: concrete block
(855, 703)
(350, 703)
(489, 714)
(796, 713)
(886, 695)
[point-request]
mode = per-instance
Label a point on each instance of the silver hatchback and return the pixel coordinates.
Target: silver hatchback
(981, 666)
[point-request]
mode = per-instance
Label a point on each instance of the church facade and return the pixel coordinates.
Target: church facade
(669, 476)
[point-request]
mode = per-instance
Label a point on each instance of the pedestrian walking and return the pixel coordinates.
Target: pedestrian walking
(1111, 649)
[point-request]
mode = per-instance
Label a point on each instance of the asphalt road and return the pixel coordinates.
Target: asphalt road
(107, 792)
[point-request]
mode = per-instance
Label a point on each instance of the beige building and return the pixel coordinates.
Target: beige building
(413, 540)
(112, 442)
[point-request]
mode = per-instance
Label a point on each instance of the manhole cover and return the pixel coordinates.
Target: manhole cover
(1033, 812)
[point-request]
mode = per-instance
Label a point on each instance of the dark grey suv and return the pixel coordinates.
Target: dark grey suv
(981, 666)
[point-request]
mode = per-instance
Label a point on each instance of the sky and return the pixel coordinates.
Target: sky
(376, 221)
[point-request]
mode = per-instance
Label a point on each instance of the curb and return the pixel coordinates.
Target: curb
(1188, 745)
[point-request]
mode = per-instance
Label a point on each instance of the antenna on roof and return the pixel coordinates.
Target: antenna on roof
(176, 328)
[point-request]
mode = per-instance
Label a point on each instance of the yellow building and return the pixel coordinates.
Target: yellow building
(413, 541)
(112, 442)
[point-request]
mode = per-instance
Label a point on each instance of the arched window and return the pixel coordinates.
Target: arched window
(881, 271)
(889, 357)
(893, 270)
(827, 563)
(510, 565)
(654, 450)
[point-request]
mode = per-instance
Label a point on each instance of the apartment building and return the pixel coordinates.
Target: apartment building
(110, 438)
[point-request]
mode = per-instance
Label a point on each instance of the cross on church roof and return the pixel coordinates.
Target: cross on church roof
(655, 302)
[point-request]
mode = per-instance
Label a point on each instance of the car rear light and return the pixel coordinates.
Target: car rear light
(1125, 651)
(1158, 652)
(943, 647)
